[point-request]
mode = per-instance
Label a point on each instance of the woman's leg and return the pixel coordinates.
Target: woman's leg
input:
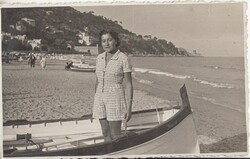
(115, 129)
(105, 129)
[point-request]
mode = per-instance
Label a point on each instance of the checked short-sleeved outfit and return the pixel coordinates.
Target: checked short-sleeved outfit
(109, 100)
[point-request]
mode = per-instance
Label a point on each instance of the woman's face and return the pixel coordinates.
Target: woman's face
(108, 43)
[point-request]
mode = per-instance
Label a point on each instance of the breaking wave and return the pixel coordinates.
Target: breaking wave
(214, 84)
(157, 72)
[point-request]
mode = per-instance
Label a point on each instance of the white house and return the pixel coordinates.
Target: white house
(147, 37)
(69, 46)
(31, 22)
(35, 43)
(21, 37)
(6, 34)
(20, 26)
(12, 26)
(49, 12)
(84, 37)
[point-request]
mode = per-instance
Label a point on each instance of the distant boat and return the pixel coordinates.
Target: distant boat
(155, 131)
(86, 68)
(78, 65)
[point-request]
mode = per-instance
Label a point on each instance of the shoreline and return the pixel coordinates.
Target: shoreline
(223, 127)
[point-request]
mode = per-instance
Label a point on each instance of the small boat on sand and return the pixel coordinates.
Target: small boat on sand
(83, 68)
(78, 65)
(155, 132)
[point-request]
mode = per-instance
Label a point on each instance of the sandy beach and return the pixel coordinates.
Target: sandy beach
(54, 93)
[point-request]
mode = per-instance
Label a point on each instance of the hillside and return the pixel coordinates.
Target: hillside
(59, 26)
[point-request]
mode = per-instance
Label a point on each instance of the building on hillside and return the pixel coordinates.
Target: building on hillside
(50, 29)
(69, 46)
(195, 53)
(49, 12)
(147, 37)
(86, 29)
(31, 22)
(20, 26)
(84, 38)
(22, 38)
(12, 26)
(35, 43)
(92, 50)
(6, 34)
(64, 27)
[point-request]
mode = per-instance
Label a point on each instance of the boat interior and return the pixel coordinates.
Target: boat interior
(48, 136)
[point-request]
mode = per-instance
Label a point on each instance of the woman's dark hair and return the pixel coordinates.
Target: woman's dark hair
(113, 34)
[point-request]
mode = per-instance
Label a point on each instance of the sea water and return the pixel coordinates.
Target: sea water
(219, 80)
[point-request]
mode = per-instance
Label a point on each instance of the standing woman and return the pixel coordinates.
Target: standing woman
(111, 103)
(43, 62)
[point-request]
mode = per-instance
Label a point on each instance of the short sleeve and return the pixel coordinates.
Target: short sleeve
(127, 66)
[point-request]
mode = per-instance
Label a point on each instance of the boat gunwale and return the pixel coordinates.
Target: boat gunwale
(82, 69)
(84, 117)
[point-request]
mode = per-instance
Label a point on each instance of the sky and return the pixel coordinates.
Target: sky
(210, 29)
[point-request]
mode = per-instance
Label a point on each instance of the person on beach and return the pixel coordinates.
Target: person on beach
(32, 60)
(43, 62)
(111, 104)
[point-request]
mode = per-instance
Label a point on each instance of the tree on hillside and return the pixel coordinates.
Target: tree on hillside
(4, 45)
(15, 45)
(63, 23)
(44, 48)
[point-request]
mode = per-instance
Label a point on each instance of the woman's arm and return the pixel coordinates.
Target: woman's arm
(96, 84)
(129, 93)
(96, 80)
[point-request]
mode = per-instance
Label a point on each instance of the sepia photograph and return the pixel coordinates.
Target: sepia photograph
(124, 80)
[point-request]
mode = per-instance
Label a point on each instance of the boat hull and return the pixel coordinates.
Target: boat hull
(182, 139)
(82, 69)
(175, 134)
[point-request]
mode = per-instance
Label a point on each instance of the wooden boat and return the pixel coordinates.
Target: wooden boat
(153, 132)
(83, 68)
(80, 66)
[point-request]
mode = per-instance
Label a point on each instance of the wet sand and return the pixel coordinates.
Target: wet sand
(53, 93)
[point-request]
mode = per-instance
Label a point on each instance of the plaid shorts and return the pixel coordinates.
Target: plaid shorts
(110, 104)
